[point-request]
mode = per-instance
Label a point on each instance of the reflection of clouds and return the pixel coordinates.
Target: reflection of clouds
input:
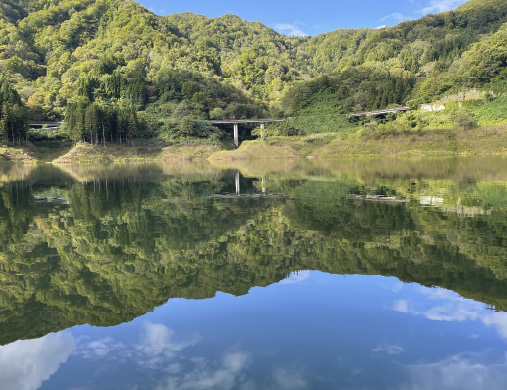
(296, 277)
(100, 347)
(164, 361)
(224, 374)
(160, 344)
(388, 349)
(288, 380)
(344, 364)
(402, 306)
(460, 372)
(445, 305)
(160, 350)
(25, 364)
(498, 320)
(105, 349)
(159, 339)
(157, 347)
(393, 285)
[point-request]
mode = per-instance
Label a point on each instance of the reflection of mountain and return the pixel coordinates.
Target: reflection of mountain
(126, 244)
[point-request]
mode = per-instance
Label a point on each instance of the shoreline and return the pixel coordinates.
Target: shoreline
(485, 140)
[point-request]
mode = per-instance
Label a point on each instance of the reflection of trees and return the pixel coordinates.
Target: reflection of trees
(122, 248)
(414, 243)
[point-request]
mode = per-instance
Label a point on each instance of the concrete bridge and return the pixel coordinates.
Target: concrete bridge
(237, 122)
(379, 112)
(45, 125)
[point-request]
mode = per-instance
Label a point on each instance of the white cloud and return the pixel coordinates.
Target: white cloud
(288, 380)
(402, 306)
(224, 374)
(296, 277)
(397, 17)
(161, 351)
(470, 371)
(436, 6)
(445, 305)
(388, 349)
(498, 320)
(158, 348)
(160, 344)
(391, 284)
(159, 339)
(25, 364)
(103, 348)
(290, 29)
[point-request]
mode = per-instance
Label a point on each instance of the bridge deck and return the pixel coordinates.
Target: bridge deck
(45, 124)
(379, 112)
(240, 121)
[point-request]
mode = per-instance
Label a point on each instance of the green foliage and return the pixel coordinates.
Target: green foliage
(116, 53)
(284, 129)
(113, 246)
(356, 89)
(464, 120)
(95, 123)
(492, 112)
(13, 114)
(48, 134)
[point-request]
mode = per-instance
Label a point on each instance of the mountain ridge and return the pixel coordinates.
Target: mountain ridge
(118, 54)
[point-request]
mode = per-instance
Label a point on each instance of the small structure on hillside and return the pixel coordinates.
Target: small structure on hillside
(378, 112)
(432, 107)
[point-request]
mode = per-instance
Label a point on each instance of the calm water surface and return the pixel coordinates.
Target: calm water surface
(346, 274)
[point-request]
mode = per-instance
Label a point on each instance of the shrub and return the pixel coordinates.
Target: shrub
(465, 120)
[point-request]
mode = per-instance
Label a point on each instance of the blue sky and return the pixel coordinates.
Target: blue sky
(310, 17)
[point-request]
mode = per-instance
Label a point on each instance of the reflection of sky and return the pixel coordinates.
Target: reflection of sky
(297, 277)
(24, 365)
(468, 371)
(313, 331)
(444, 305)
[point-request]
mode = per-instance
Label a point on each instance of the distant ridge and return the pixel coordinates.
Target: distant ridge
(116, 53)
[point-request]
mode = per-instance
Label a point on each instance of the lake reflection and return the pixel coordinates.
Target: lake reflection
(354, 274)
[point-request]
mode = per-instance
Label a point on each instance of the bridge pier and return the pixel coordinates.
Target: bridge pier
(237, 122)
(236, 179)
(236, 135)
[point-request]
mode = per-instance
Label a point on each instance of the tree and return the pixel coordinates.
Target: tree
(92, 122)
(187, 126)
(465, 120)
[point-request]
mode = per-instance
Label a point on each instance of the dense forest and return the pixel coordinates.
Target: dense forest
(109, 247)
(115, 71)
(13, 115)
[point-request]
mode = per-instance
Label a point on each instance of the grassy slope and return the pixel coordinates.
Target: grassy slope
(483, 140)
(149, 152)
(491, 139)
(492, 112)
(18, 155)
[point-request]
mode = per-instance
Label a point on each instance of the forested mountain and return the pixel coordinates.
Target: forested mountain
(115, 69)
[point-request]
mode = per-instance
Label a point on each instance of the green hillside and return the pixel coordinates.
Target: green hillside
(115, 71)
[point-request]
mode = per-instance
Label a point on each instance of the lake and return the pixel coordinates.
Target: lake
(334, 274)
